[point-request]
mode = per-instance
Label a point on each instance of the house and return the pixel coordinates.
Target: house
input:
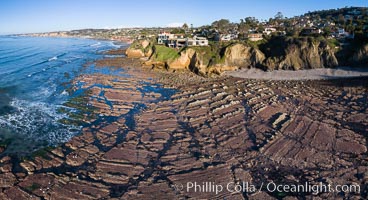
(164, 37)
(179, 41)
(169, 39)
(355, 12)
(255, 37)
(197, 41)
(348, 17)
(341, 32)
(269, 30)
(310, 31)
(228, 37)
(176, 42)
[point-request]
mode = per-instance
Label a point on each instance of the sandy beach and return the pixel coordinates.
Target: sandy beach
(312, 74)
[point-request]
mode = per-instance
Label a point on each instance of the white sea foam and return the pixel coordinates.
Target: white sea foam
(116, 45)
(65, 93)
(53, 58)
(45, 91)
(37, 121)
(96, 44)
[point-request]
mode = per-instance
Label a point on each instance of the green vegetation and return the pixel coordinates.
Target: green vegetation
(5, 142)
(33, 187)
(210, 55)
(5, 138)
(178, 31)
(255, 44)
(137, 44)
(43, 153)
(163, 53)
(77, 110)
(333, 43)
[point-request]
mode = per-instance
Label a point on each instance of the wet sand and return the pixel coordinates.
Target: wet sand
(312, 74)
(144, 142)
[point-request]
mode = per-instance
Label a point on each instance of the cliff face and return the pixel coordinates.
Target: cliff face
(279, 53)
(186, 59)
(139, 48)
(360, 57)
(190, 59)
(202, 60)
(243, 56)
(296, 54)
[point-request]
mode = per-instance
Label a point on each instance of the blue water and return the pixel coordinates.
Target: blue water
(33, 73)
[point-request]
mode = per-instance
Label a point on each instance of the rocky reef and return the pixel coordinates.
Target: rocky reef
(145, 140)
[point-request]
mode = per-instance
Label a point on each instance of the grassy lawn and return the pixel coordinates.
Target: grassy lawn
(163, 53)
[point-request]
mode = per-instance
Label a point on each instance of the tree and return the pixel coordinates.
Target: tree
(260, 28)
(327, 31)
(252, 22)
(221, 25)
(279, 15)
(185, 26)
(177, 31)
(341, 19)
(243, 27)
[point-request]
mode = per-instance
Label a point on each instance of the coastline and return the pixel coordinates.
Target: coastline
(152, 129)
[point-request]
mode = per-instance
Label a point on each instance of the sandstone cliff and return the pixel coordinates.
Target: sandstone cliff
(296, 54)
(205, 60)
(140, 48)
(278, 53)
(243, 56)
(360, 57)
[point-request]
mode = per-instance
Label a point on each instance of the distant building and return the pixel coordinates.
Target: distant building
(178, 40)
(228, 37)
(255, 37)
(341, 33)
(168, 38)
(197, 41)
(269, 30)
(164, 37)
(310, 31)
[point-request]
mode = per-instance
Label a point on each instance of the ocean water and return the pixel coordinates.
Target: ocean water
(34, 73)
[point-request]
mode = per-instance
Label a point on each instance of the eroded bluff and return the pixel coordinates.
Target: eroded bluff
(279, 53)
(296, 54)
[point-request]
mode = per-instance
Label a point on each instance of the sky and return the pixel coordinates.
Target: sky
(31, 16)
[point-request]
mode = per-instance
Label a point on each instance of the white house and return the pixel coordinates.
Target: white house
(255, 37)
(228, 37)
(164, 37)
(167, 38)
(197, 41)
(269, 30)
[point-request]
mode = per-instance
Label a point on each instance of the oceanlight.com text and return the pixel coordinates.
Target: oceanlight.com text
(212, 187)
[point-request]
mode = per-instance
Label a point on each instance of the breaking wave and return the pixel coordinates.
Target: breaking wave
(37, 122)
